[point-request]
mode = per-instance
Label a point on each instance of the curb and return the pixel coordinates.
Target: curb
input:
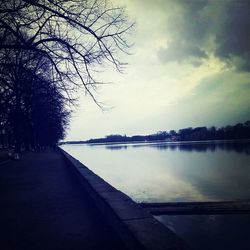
(136, 227)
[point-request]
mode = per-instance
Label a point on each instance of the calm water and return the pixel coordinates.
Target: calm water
(171, 171)
(180, 172)
(211, 232)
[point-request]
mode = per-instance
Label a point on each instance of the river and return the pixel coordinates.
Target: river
(163, 172)
(189, 171)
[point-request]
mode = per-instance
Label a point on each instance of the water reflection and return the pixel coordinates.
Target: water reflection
(239, 147)
(197, 146)
(158, 172)
(116, 147)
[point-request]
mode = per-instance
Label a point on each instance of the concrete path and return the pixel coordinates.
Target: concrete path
(43, 206)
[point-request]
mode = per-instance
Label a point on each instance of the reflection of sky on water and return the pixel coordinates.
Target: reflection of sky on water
(171, 172)
(239, 147)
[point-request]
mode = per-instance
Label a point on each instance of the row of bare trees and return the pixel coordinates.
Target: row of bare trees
(49, 49)
(33, 111)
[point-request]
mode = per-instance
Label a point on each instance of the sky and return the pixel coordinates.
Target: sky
(189, 66)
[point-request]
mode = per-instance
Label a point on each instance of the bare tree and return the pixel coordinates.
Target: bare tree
(76, 37)
(53, 47)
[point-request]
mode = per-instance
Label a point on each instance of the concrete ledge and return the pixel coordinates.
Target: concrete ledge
(136, 227)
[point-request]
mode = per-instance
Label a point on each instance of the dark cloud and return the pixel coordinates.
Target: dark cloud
(233, 37)
(180, 53)
(197, 29)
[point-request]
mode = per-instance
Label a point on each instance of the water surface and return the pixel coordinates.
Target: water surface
(211, 232)
(162, 172)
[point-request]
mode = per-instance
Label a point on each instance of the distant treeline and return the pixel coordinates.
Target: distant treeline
(238, 131)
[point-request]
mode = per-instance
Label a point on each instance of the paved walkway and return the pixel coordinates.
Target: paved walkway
(43, 206)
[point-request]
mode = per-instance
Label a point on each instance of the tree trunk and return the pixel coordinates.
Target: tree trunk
(17, 124)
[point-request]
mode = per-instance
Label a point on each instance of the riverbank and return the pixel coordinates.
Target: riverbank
(137, 228)
(49, 200)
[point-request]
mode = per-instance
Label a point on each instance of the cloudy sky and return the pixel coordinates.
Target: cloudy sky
(189, 66)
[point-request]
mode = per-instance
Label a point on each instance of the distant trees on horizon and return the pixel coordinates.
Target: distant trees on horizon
(238, 131)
